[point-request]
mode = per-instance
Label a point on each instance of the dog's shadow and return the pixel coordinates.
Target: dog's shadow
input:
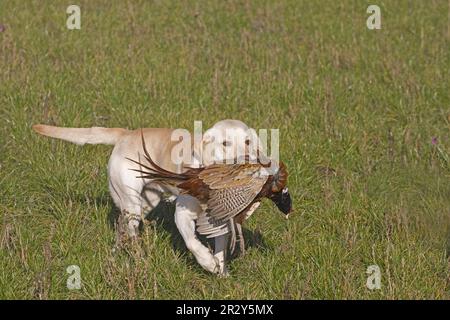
(163, 219)
(447, 244)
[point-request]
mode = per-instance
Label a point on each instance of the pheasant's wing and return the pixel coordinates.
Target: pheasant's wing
(232, 189)
(220, 176)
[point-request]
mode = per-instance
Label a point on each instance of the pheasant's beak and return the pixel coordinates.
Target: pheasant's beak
(283, 201)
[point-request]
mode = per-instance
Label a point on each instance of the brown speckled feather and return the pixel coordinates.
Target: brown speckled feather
(226, 190)
(232, 189)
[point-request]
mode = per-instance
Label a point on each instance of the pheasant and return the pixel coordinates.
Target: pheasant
(226, 191)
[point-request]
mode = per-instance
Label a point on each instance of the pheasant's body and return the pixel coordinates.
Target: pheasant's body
(226, 191)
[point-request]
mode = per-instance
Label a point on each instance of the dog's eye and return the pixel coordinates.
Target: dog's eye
(247, 142)
(226, 143)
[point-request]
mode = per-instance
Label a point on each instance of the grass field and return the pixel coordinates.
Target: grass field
(364, 121)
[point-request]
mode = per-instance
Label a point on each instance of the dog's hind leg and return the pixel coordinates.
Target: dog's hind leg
(129, 202)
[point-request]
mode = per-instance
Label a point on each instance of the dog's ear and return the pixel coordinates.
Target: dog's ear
(207, 138)
(252, 143)
(252, 136)
(211, 142)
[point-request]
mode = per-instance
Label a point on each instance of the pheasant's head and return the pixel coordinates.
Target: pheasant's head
(280, 193)
(283, 201)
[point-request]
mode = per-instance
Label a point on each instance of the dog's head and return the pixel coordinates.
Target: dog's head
(229, 140)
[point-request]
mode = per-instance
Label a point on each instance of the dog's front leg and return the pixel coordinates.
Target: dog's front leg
(187, 210)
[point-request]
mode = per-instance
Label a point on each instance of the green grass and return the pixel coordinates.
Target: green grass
(363, 103)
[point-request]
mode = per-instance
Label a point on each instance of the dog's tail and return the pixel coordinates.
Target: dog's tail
(94, 135)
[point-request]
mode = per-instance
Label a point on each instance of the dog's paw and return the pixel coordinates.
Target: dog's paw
(224, 273)
(209, 263)
(214, 265)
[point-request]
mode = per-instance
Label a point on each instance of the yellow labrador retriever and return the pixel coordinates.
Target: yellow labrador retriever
(134, 196)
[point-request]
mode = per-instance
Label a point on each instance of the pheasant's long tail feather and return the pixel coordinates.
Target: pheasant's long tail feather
(155, 171)
(152, 173)
(158, 168)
